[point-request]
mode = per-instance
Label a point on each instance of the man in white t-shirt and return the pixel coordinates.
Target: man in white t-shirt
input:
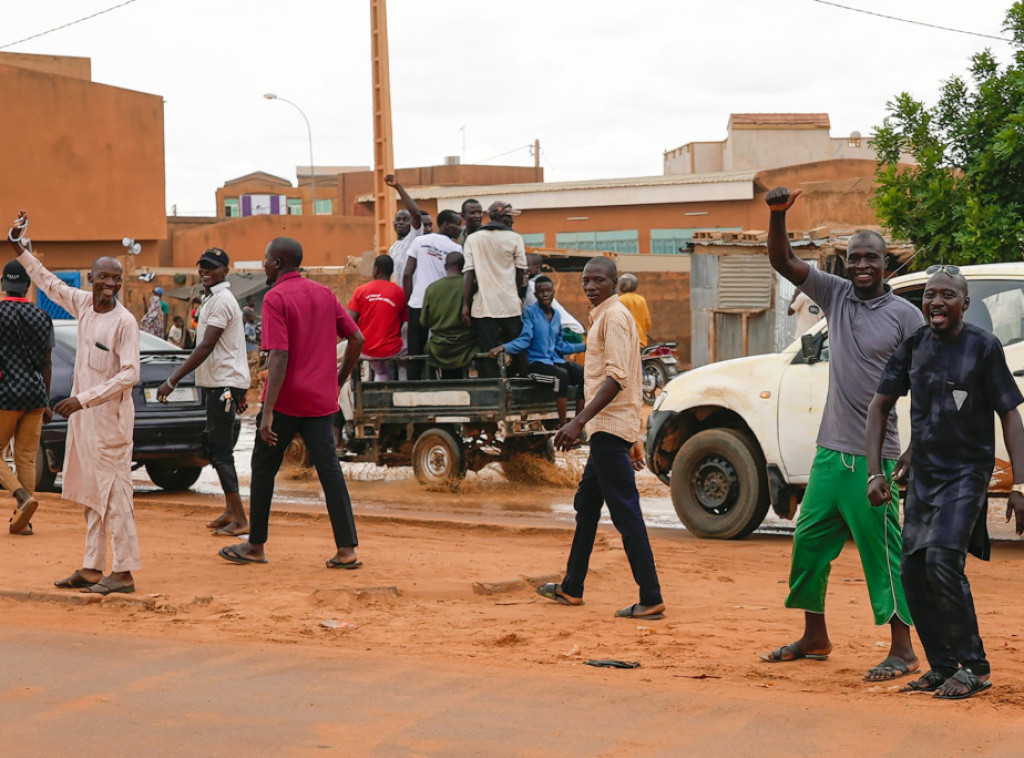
(495, 281)
(222, 372)
(424, 265)
(806, 311)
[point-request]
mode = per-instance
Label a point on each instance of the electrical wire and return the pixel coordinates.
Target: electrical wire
(911, 21)
(65, 26)
(502, 155)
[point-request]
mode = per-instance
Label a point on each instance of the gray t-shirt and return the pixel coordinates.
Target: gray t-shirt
(862, 334)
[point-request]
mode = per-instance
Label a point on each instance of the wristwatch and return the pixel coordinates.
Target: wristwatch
(1018, 488)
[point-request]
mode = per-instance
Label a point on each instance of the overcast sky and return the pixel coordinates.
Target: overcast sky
(605, 86)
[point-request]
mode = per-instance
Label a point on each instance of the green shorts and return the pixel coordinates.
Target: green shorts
(834, 509)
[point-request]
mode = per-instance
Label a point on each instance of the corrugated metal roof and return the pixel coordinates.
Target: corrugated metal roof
(432, 191)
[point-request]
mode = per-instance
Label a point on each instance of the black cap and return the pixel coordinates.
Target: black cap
(16, 278)
(213, 256)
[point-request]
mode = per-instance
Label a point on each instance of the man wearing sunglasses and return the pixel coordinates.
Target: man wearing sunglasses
(866, 323)
(958, 380)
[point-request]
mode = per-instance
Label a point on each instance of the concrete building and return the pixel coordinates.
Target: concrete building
(757, 141)
(85, 159)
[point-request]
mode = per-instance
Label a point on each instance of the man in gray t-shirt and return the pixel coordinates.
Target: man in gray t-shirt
(866, 323)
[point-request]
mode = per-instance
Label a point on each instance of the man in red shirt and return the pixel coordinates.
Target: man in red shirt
(302, 322)
(380, 310)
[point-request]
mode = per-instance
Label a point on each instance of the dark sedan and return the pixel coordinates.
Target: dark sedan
(168, 438)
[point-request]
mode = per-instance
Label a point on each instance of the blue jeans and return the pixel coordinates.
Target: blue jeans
(609, 478)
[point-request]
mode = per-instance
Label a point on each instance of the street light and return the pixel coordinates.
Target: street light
(312, 168)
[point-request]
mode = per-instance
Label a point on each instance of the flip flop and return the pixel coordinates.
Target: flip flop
(106, 586)
(611, 663)
(552, 591)
(632, 612)
(231, 554)
(74, 582)
(967, 678)
(791, 652)
(22, 515)
(333, 564)
(927, 683)
(225, 532)
(893, 667)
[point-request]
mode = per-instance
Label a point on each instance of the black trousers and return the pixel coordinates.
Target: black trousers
(491, 332)
(567, 375)
(317, 432)
(941, 604)
(220, 425)
(417, 336)
(609, 478)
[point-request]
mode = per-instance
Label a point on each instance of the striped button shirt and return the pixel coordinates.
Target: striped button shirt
(613, 349)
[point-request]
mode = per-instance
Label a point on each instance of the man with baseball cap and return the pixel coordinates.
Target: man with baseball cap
(26, 338)
(494, 284)
(222, 371)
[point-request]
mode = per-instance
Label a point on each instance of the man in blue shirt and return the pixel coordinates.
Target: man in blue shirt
(541, 338)
(958, 381)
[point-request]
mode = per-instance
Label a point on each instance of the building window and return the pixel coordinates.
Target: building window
(678, 241)
(231, 209)
(324, 207)
(295, 206)
(533, 240)
(622, 241)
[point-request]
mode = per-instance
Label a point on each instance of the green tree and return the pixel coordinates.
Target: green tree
(964, 200)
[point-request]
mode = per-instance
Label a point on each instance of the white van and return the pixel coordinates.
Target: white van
(734, 437)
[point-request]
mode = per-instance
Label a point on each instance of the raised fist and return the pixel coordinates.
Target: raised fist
(781, 199)
(390, 180)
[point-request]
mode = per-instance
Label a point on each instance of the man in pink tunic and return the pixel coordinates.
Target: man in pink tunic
(101, 417)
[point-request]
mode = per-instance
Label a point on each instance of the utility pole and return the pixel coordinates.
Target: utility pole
(536, 160)
(384, 204)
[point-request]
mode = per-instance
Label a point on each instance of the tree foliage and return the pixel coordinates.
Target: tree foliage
(964, 201)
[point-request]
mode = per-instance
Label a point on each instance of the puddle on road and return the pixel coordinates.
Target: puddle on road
(484, 494)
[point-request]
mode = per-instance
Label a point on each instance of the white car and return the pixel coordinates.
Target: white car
(734, 437)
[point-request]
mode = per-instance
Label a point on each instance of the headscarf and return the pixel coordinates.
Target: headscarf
(153, 321)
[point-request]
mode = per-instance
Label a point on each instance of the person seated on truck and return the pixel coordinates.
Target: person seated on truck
(637, 305)
(379, 308)
(572, 329)
(452, 344)
(542, 340)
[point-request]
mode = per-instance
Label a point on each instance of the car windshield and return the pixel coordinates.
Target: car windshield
(66, 336)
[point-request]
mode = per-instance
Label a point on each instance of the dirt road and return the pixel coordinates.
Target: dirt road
(439, 646)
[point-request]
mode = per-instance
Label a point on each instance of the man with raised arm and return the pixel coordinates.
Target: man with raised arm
(958, 381)
(101, 417)
(408, 226)
(867, 322)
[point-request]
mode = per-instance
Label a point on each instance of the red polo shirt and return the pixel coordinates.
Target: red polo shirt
(306, 319)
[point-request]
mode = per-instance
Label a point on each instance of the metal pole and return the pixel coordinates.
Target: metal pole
(309, 133)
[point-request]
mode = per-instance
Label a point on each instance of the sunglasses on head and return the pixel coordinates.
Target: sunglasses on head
(943, 269)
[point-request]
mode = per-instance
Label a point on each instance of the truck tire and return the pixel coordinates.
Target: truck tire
(45, 479)
(719, 485)
(437, 459)
(170, 478)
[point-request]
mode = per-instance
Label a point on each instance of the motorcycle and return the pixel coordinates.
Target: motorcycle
(659, 366)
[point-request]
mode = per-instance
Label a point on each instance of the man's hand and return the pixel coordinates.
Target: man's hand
(67, 406)
(47, 415)
(494, 352)
(267, 433)
(879, 492)
(781, 199)
(17, 231)
(390, 180)
(902, 470)
(241, 406)
(636, 456)
(465, 315)
(566, 437)
(163, 391)
(1015, 510)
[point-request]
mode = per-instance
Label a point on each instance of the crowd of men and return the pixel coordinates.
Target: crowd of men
(441, 299)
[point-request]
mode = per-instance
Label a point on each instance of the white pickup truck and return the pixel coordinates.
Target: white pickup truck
(733, 438)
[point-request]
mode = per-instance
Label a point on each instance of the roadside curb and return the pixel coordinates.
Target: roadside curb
(75, 599)
(513, 585)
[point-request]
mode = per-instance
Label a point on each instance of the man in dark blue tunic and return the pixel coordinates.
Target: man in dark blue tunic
(958, 379)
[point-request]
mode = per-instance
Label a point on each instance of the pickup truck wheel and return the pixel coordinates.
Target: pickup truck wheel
(172, 479)
(437, 459)
(719, 485)
(45, 479)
